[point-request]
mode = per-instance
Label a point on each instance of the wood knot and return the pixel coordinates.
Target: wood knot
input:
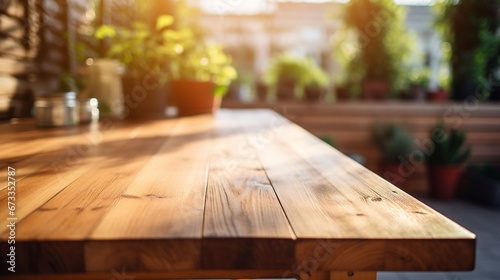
(154, 196)
(376, 199)
(129, 196)
(419, 212)
(360, 214)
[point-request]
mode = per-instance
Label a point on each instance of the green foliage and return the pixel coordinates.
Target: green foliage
(140, 48)
(204, 62)
(488, 170)
(449, 146)
(469, 28)
(173, 53)
(382, 45)
(67, 82)
(302, 71)
(393, 140)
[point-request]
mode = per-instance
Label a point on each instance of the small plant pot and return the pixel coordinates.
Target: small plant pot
(285, 90)
(314, 94)
(376, 90)
(194, 97)
(143, 99)
(437, 96)
(261, 91)
(485, 188)
(443, 180)
(342, 93)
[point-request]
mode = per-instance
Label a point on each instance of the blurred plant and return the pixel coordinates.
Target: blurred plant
(142, 48)
(449, 149)
(393, 141)
(381, 46)
(175, 53)
(204, 62)
(69, 82)
(469, 28)
(300, 71)
(420, 77)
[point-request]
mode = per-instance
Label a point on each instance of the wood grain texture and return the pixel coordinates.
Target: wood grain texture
(75, 211)
(245, 190)
(349, 125)
(123, 273)
(166, 198)
(327, 194)
(142, 256)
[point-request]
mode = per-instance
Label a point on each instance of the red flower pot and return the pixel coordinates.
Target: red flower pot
(194, 97)
(376, 89)
(437, 96)
(443, 180)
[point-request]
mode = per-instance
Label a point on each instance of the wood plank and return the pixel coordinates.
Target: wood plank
(142, 255)
(241, 204)
(165, 201)
(12, 26)
(89, 197)
(45, 258)
(373, 109)
(363, 196)
(57, 173)
(15, 9)
(183, 274)
(30, 149)
(15, 67)
(11, 86)
(157, 186)
(4, 104)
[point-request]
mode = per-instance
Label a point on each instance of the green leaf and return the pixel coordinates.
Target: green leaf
(105, 31)
(164, 21)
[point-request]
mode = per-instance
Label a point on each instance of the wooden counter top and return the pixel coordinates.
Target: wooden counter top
(246, 193)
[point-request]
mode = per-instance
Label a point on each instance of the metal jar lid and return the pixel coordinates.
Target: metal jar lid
(47, 100)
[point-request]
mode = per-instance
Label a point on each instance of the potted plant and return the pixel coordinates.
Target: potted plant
(395, 143)
(200, 77)
(418, 82)
(382, 44)
(485, 184)
(142, 49)
(441, 93)
(288, 76)
(469, 27)
(315, 83)
(445, 163)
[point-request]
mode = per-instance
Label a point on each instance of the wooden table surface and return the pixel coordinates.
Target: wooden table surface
(243, 194)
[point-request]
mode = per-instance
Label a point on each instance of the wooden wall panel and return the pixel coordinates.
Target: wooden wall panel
(40, 39)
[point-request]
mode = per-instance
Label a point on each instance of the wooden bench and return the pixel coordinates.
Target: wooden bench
(349, 125)
(244, 194)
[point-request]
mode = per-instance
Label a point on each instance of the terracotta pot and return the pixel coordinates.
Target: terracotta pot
(342, 93)
(314, 94)
(443, 180)
(376, 89)
(194, 97)
(437, 96)
(143, 98)
(261, 91)
(285, 90)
